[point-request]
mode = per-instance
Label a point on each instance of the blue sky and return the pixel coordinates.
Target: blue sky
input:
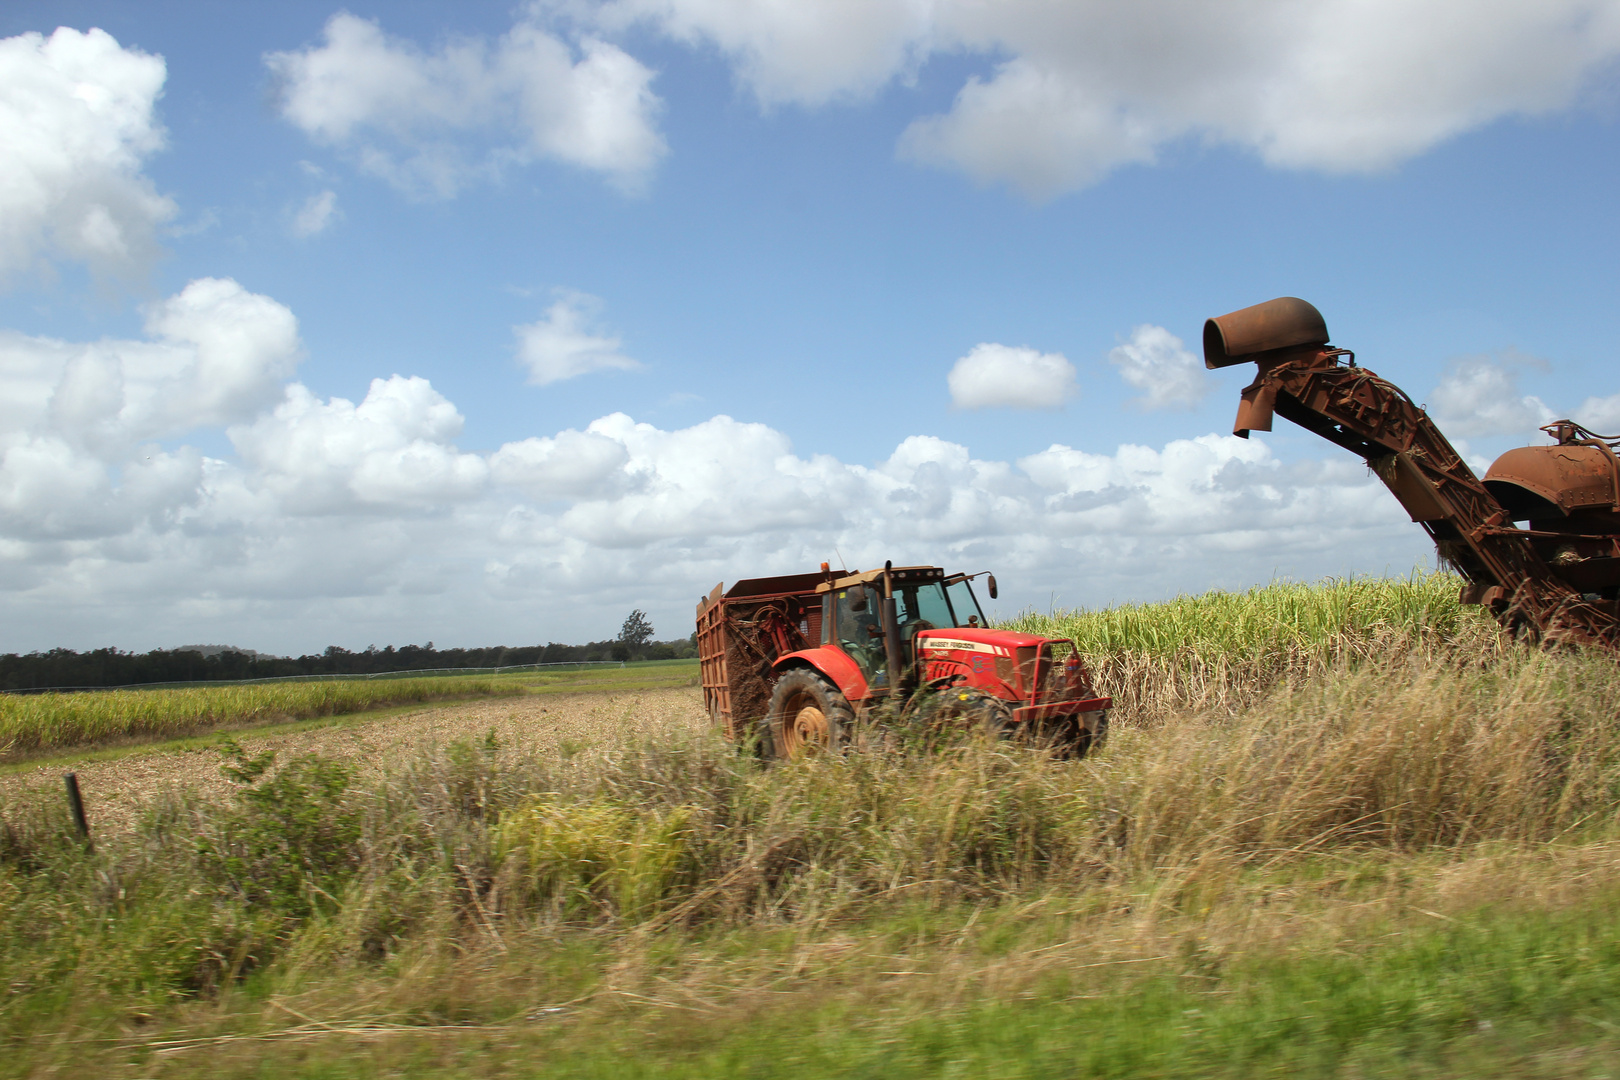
(660, 292)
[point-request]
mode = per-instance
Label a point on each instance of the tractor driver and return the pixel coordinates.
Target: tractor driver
(860, 632)
(912, 618)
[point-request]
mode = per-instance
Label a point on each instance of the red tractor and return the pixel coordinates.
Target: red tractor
(796, 660)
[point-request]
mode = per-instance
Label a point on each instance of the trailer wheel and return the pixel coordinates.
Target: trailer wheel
(807, 715)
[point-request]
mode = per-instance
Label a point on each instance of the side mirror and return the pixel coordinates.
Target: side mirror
(992, 584)
(857, 600)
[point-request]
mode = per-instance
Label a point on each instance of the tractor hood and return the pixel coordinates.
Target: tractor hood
(972, 639)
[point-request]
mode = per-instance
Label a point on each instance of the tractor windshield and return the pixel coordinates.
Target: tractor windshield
(965, 605)
(921, 604)
(936, 606)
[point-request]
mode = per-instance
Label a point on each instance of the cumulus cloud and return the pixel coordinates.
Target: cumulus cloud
(789, 53)
(77, 421)
(1076, 90)
(1156, 362)
(339, 521)
(393, 450)
(315, 215)
(431, 122)
(78, 121)
(1479, 395)
(569, 464)
(215, 354)
(1003, 376)
(1600, 414)
(1034, 128)
(568, 342)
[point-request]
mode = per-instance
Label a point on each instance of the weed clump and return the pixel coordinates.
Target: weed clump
(583, 858)
(290, 843)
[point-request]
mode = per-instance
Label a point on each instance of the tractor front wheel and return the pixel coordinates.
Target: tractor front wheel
(807, 715)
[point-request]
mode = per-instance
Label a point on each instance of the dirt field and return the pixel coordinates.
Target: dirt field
(116, 789)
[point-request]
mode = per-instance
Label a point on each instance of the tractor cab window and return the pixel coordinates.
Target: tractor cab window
(920, 607)
(922, 603)
(965, 606)
(858, 626)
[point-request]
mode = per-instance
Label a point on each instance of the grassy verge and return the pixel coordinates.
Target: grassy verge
(1329, 983)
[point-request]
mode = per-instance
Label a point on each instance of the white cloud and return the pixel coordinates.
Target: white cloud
(76, 420)
(1078, 89)
(316, 214)
(1601, 415)
(567, 343)
(1005, 376)
(336, 521)
(790, 52)
(77, 122)
(1035, 129)
(430, 122)
(216, 354)
(1156, 362)
(1479, 395)
(569, 464)
(393, 450)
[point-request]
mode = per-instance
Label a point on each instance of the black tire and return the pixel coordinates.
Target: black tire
(1094, 739)
(807, 715)
(1074, 739)
(962, 709)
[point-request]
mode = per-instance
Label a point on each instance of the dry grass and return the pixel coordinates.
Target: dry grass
(119, 789)
(1381, 787)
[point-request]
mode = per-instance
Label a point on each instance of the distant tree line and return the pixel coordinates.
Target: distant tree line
(112, 667)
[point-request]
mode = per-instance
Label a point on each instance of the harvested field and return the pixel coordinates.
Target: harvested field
(117, 788)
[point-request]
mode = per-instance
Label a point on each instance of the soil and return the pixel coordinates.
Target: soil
(117, 789)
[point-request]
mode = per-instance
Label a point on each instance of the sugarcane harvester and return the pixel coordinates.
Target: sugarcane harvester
(1556, 580)
(795, 664)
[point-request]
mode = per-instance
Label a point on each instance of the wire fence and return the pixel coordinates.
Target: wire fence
(329, 677)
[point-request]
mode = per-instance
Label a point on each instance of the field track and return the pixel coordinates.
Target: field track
(116, 788)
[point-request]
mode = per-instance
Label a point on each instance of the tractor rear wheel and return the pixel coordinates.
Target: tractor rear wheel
(807, 715)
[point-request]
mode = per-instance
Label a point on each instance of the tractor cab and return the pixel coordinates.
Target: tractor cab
(924, 598)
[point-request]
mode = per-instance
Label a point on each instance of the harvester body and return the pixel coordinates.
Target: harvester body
(796, 659)
(1557, 580)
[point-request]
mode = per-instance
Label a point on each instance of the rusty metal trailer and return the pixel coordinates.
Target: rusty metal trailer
(741, 632)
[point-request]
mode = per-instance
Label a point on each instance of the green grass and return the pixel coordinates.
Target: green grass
(637, 675)
(1053, 988)
(34, 722)
(1397, 859)
(1226, 650)
(1275, 618)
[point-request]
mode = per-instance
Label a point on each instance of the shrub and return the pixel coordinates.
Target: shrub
(291, 842)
